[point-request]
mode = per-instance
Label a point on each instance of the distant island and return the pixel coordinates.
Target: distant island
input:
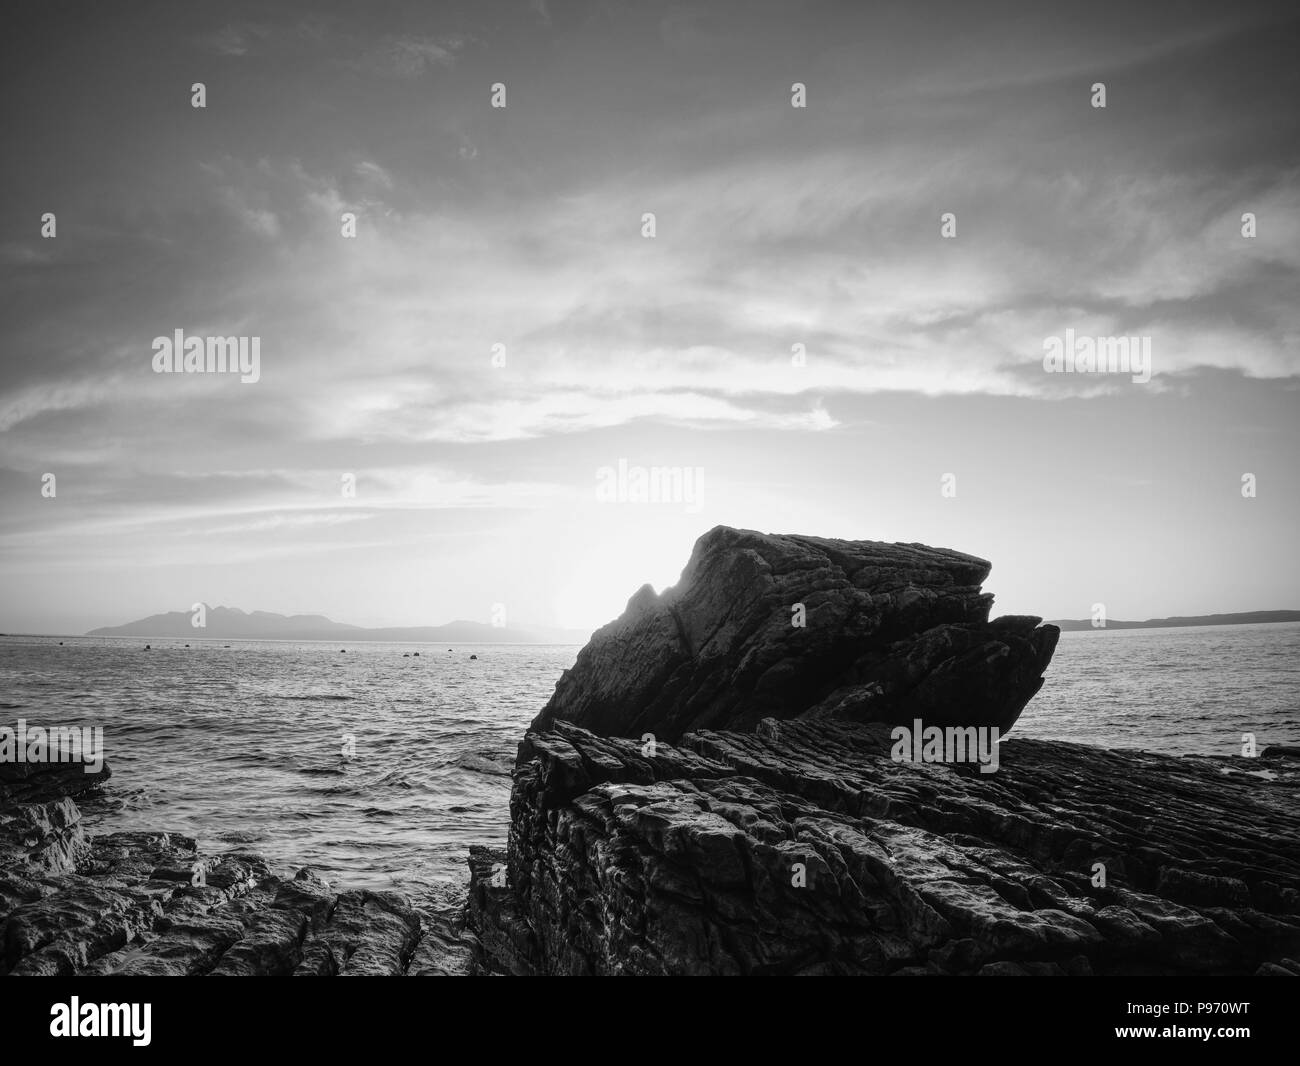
(230, 623)
(1070, 625)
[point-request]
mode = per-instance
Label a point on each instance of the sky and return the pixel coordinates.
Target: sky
(804, 340)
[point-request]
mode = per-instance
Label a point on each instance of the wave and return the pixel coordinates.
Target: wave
(486, 764)
(322, 696)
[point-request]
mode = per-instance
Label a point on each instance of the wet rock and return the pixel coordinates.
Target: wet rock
(38, 839)
(42, 782)
(447, 947)
(1281, 751)
(309, 893)
(504, 938)
(271, 944)
(367, 934)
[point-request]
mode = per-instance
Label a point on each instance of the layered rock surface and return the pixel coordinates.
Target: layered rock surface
(890, 632)
(804, 848)
(152, 903)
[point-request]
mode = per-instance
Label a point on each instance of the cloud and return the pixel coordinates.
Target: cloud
(373, 172)
(22, 255)
(411, 57)
(835, 246)
(237, 39)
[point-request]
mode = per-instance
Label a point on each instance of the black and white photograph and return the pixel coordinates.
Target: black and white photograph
(597, 488)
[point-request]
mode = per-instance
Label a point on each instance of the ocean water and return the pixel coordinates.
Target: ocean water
(241, 746)
(1181, 691)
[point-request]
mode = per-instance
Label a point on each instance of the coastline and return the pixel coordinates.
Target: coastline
(713, 789)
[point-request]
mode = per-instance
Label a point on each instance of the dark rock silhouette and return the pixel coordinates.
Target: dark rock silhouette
(891, 632)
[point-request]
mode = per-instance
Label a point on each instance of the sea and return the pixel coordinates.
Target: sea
(379, 767)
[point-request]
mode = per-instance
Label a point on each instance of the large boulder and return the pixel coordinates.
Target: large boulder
(793, 626)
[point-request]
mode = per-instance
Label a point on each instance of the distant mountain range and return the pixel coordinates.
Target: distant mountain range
(230, 623)
(1246, 618)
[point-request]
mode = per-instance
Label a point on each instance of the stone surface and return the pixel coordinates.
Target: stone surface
(40, 825)
(43, 782)
(128, 904)
(152, 903)
(447, 947)
(893, 632)
(684, 860)
(40, 838)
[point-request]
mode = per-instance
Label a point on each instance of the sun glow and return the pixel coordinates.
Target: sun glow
(597, 591)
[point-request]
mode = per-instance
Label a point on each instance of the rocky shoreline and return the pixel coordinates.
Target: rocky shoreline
(136, 904)
(715, 788)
